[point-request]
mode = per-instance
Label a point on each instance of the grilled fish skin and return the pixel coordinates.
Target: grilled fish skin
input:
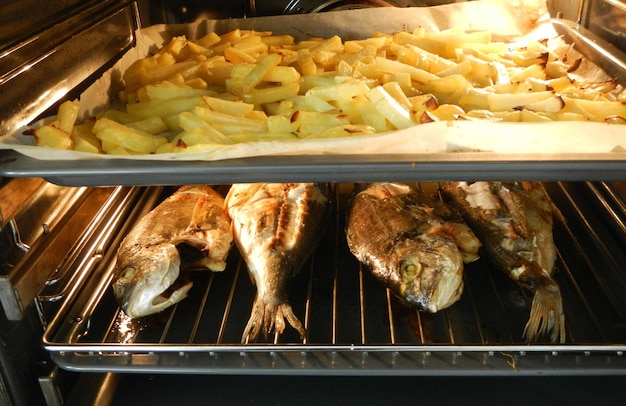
(148, 260)
(514, 222)
(276, 226)
(401, 235)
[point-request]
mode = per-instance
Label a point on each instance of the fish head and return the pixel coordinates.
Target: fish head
(429, 272)
(149, 283)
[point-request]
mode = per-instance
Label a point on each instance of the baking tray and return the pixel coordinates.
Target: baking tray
(337, 168)
(354, 325)
(321, 168)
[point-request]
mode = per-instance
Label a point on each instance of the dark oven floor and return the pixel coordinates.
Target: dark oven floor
(143, 389)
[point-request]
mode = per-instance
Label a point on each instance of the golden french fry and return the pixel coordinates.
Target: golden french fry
(208, 40)
(261, 68)
(165, 92)
(552, 104)
(447, 112)
(190, 122)
(236, 55)
(234, 108)
(345, 90)
(310, 81)
(373, 118)
(197, 135)
(464, 67)
(596, 110)
(431, 61)
(395, 90)
(271, 94)
(151, 125)
(84, 144)
(310, 124)
(349, 130)
(52, 137)
(532, 71)
(530, 116)
(119, 116)
(390, 108)
(163, 108)
(84, 139)
(228, 124)
(280, 108)
(306, 64)
(67, 115)
(166, 148)
(278, 40)
(252, 45)
(126, 137)
(417, 75)
(311, 103)
(475, 99)
(282, 74)
(279, 124)
(511, 101)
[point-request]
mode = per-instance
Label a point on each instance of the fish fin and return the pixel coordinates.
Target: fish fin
(203, 210)
(270, 317)
(193, 234)
(212, 264)
(546, 314)
(253, 327)
(464, 238)
(292, 319)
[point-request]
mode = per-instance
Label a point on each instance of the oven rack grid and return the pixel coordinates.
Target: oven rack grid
(355, 326)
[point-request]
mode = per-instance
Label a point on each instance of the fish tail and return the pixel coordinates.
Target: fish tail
(546, 314)
(271, 318)
(287, 312)
(253, 327)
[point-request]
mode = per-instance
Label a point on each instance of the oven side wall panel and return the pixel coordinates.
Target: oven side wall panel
(22, 360)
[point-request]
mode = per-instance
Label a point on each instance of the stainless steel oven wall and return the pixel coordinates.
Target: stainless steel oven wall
(607, 18)
(174, 12)
(51, 237)
(41, 43)
(275, 7)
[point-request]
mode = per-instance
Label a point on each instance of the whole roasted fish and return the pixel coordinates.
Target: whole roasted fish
(412, 243)
(149, 259)
(514, 222)
(276, 226)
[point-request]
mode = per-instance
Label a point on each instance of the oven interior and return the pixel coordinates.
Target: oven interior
(59, 238)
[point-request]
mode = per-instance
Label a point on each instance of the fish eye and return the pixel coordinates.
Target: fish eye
(128, 273)
(409, 270)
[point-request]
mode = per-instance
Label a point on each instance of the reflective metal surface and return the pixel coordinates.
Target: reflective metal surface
(52, 222)
(273, 7)
(37, 72)
(608, 19)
